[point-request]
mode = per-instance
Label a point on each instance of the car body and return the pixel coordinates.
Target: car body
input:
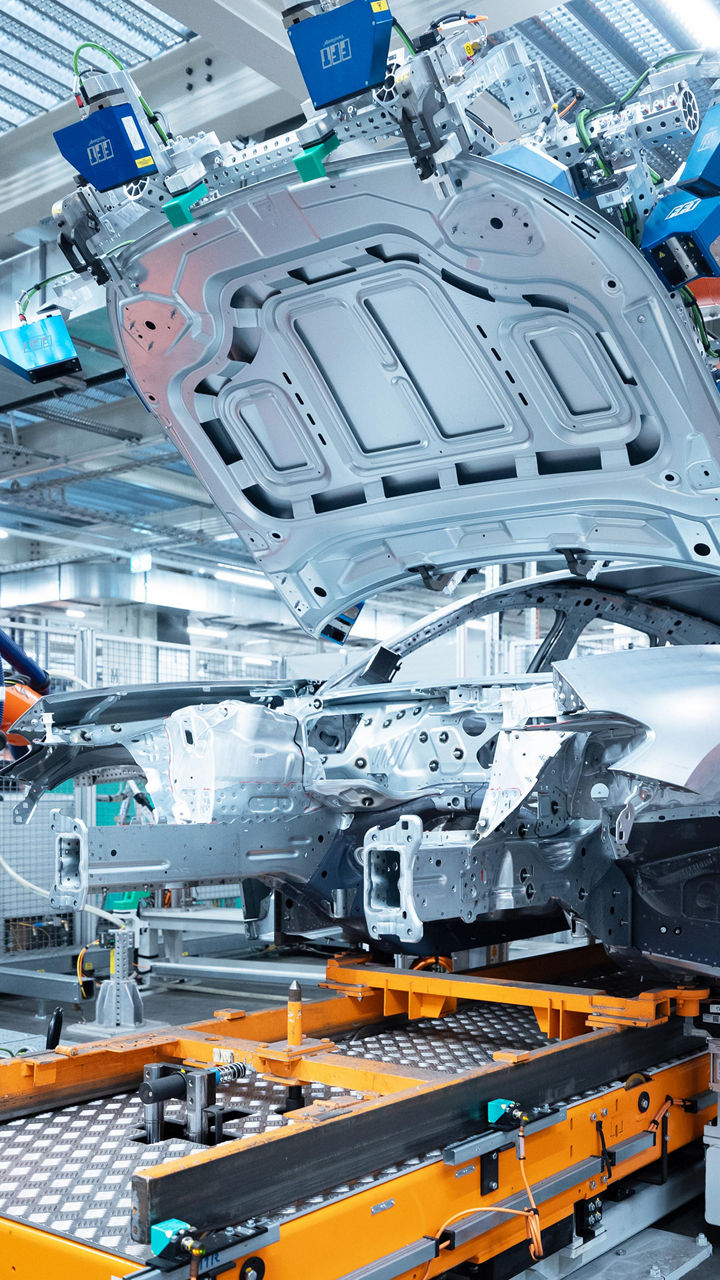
(432, 818)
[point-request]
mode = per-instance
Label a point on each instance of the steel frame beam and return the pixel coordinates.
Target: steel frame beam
(112, 858)
(561, 1011)
(42, 984)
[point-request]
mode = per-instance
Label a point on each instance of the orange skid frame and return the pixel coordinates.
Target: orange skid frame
(341, 1237)
(562, 1011)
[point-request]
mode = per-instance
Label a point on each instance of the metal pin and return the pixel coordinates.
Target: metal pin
(294, 1015)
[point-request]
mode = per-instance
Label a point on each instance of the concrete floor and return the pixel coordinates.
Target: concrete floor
(690, 1221)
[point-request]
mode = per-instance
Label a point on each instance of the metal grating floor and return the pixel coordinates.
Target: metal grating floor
(459, 1042)
(69, 1171)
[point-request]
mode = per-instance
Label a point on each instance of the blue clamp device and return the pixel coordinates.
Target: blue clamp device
(107, 148)
(343, 51)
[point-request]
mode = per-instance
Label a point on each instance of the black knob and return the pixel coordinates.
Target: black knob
(163, 1087)
(54, 1028)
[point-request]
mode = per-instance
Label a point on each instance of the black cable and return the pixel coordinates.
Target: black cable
(461, 16)
(604, 1154)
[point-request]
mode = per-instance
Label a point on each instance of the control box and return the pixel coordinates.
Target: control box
(39, 351)
(107, 147)
(341, 52)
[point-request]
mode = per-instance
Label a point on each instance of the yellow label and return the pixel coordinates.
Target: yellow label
(379, 6)
(144, 161)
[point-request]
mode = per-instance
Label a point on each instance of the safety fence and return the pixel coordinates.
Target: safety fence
(79, 658)
(98, 659)
(26, 921)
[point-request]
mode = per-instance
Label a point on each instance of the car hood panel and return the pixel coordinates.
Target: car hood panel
(369, 380)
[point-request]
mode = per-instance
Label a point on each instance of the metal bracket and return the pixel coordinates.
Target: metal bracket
(494, 1140)
(215, 1263)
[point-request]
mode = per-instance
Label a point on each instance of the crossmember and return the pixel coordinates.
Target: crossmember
(562, 1012)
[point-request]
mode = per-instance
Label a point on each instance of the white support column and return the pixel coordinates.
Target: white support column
(252, 29)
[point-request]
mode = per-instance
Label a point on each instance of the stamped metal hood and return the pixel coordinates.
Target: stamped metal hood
(369, 379)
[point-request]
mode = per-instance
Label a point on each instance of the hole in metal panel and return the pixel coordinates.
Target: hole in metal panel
(386, 255)
(546, 301)
(476, 473)
(552, 462)
(397, 486)
(244, 345)
(264, 502)
(467, 286)
(305, 276)
(645, 445)
(339, 500)
(221, 440)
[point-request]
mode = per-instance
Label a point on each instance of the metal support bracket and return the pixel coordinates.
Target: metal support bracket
(215, 1263)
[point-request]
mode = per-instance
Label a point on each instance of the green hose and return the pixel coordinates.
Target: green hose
(100, 48)
(586, 116)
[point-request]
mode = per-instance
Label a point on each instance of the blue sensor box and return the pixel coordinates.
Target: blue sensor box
(39, 351)
(107, 147)
(680, 238)
(344, 51)
(701, 174)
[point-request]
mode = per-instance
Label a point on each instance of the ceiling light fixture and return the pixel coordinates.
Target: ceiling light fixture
(241, 579)
(141, 562)
(208, 631)
(699, 17)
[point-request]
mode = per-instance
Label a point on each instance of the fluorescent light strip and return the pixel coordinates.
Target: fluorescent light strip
(208, 631)
(240, 579)
(700, 17)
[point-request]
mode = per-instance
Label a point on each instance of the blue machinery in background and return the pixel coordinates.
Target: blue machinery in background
(39, 351)
(342, 52)
(680, 238)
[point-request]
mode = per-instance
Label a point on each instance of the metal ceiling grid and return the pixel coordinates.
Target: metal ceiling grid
(636, 28)
(37, 38)
(567, 25)
(603, 45)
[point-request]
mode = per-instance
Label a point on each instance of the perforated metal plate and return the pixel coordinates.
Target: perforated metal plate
(459, 1042)
(69, 1171)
